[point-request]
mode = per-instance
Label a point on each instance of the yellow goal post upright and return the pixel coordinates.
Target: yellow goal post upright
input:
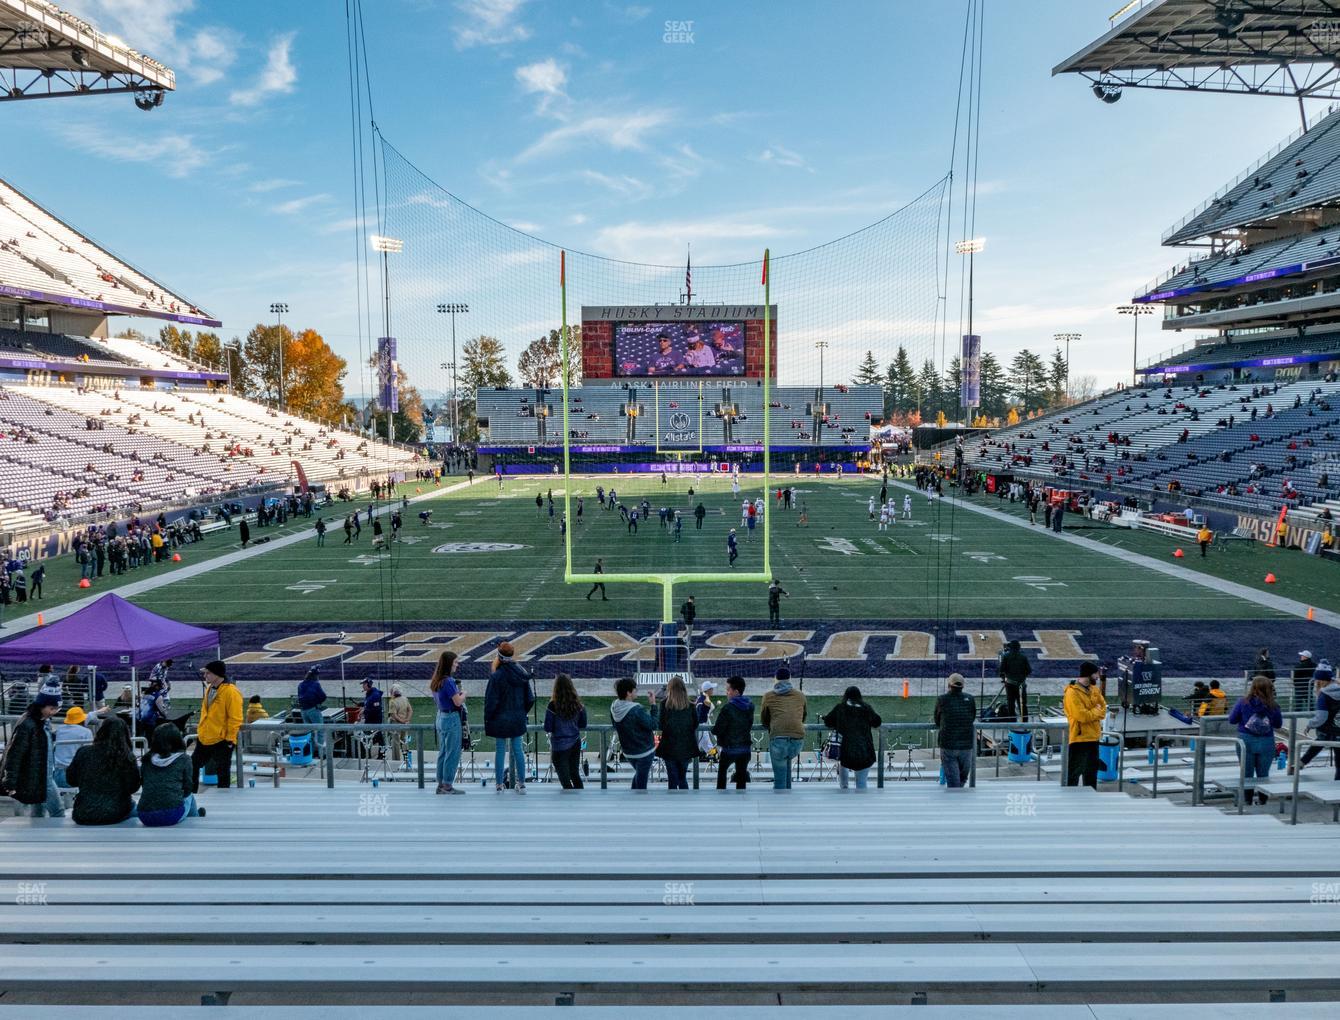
(668, 579)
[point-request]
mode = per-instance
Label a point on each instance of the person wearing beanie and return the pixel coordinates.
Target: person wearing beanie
(70, 735)
(311, 696)
(507, 698)
(1015, 669)
(853, 722)
(1324, 722)
(783, 713)
(29, 761)
(955, 713)
(1263, 666)
(220, 719)
(1085, 708)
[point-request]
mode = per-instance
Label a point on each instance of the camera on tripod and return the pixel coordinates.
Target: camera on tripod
(1141, 686)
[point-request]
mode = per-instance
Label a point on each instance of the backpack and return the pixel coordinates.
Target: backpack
(1259, 725)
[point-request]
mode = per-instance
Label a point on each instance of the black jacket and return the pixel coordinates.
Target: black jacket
(105, 786)
(1015, 667)
(734, 725)
(1264, 667)
(679, 739)
(26, 761)
(855, 724)
(955, 713)
(688, 612)
(507, 699)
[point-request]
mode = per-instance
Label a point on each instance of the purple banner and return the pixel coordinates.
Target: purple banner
(103, 306)
(388, 383)
(1279, 361)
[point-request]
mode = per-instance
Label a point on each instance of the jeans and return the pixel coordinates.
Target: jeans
(448, 747)
(568, 767)
(188, 809)
(1260, 753)
(677, 774)
(58, 775)
(957, 765)
(500, 746)
(52, 807)
(313, 715)
(740, 759)
(641, 770)
(862, 777)
(781, 750)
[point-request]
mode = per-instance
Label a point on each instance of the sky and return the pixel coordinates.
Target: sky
(632, 130)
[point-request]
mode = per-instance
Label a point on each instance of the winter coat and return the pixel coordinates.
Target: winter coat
(105, 785)
(26, 761)
(507, 699)
(1086, 708)
(734, 725)
(220, 715)
(1215, 704)
(636, 727)
(1324, 721)
(679, 737)
(854, 723)
(565, 731)
(1015, 667)
(165, 782)
(955, 713)
(783, 711)
(310, 693)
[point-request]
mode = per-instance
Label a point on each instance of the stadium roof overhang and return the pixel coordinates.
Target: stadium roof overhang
(45, 53)
(1260, 47)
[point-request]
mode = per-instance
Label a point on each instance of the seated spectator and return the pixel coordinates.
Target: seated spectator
(168, 781)
(70, 736)
(255, 710)
(106, 775)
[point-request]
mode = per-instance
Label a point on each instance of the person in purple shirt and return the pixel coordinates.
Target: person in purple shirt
(450, 714)
(1257, 717)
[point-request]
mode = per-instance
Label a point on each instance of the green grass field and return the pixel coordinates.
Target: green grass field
(944, 563)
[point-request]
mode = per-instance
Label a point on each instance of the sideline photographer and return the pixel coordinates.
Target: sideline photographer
(1015, 669)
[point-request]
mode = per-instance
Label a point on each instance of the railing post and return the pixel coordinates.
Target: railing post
(696, 759)
(423, 742)
(330, 758)
(1242, 775)
(604, 762)
(1198, 772)
(1065, 760)
(1293, 808)
(1157, 741)
(237, 753)
(879, 774)
(274, 760)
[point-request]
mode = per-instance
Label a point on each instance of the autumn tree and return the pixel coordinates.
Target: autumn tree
(540, 363)
(483, 366)
(261, 354)
(314, 378)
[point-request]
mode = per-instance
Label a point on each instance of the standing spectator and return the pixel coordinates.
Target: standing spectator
(29, 761)
(450, 701)
(106, 774)
(733, 730)
(1302, 679)
(1085, 708)
(220, 719)
(1203, 538)
(507, 699)
(599, 585)
(679, 725)
(783, 713)
(311, 697)
(35, 582)
(244, 532)
(853, 720)
(320, 532)
(775, 594)
(564, 720)
(167, 781)
(1263, 666)
(703, 706)
(688, 612)
(1015, 669)
(1324, 722)
(400, 712)
(636, 727)
(1257, 717)
(69, 737)
(955, 713)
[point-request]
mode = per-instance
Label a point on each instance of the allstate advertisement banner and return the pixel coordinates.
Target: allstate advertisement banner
(388, 383)
(970, 367)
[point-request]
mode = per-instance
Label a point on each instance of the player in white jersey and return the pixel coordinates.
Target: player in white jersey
(758, 507)
(735, 485)
(907, 508)
(884, 518)
(744, 512)
(870, 507)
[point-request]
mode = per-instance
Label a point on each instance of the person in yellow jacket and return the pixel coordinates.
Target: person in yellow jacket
(256, 709)
(220, 719)
(1216, 703)
(1204, 536)
(1085, 708)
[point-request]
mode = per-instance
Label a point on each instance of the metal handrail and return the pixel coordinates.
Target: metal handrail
(1198, 767)
(1298, 772)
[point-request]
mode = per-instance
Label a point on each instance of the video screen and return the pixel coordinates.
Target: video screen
(664, 349)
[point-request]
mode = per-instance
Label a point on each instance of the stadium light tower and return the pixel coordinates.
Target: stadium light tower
(386, 246)
(278, 309)
(1066, 338)
(453, 310)
(1135, 311)
(970, 247)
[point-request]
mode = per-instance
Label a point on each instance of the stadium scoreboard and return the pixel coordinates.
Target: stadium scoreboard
(669, 342)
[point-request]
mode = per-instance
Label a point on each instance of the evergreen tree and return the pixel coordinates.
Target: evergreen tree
(1028, 379)
(867, 373)
(929, 390)
(953, 387)
(995, 393)
(899, 385)
(1057, 378)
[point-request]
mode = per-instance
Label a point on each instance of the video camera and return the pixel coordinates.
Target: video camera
(1141, 686)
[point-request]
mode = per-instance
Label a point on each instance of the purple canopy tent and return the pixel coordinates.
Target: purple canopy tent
(110, 632)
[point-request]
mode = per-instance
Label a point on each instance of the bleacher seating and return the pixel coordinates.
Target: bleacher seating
(58, 346)
(1227, 352)
(386, 898)
(1261, 258)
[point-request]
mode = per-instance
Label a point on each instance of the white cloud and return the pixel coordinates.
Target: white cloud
(576, 219)
(784, 157)
(153, 27)
(525, 226)
(620, 185)
(617, 131)
(665, 242)
(271, 184)
(278, 77)
(490, 23)
(177, 155)
(547, 78)
(297, 205)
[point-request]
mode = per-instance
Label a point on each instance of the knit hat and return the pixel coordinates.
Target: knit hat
(48, 694)
(1087, 669)
(783, 673)
(217, 668)
(505, 650)
(1324, 671)
(75, 716)
(955, 679)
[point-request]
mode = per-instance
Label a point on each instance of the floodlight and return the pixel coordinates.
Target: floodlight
(386, 244)
(970, 247)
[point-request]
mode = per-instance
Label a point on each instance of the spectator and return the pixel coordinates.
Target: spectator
(69, 737)
(507, 699)
(1203, 538)
(564, 720)
(1085, 708)
(704, 705)
(783, 713)
(1302, 678)
(679, 738)
(399, 712)
(1215, 702)
(1263, 666)
(311, 697)
(29, 760)
(220, 719)
(955, 713)
(167, 781)
(106, 775)
(1015, 669)
(733, 730)
(636, 727)
(450, 701)
(852, 721)
(255, 709)
(1257, 717)
(1324, 722)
